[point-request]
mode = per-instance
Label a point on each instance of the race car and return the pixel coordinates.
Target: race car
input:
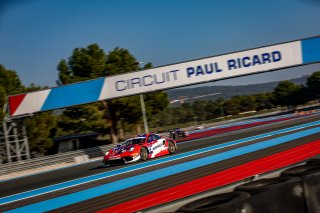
(140, 147)
(177, 133)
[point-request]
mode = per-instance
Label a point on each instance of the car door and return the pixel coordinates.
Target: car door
(157, 144)
(150, 142)
(161, 141)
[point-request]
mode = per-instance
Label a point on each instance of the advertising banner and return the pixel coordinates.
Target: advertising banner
(258, 60)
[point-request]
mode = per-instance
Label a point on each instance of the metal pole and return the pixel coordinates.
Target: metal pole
(16, 141)
(144, 116)
(6, 138)
(24, 132)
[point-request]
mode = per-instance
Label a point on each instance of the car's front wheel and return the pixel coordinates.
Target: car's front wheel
(106, 163)
(143, 153)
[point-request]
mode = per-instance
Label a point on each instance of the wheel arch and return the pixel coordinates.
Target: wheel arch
(173, 141)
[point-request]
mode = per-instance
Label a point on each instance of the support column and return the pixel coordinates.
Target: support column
(15, 140)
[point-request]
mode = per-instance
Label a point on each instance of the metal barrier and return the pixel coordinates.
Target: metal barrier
(62, 158)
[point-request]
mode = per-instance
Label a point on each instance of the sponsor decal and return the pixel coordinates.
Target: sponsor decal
(114, 157)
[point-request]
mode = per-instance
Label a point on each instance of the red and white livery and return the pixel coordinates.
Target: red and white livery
(140, 147)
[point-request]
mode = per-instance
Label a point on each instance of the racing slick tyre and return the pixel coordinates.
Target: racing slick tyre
(310, 178)
(300, 171)
(143, 153)
(314, 161)
(220, 203)
(265, 184)
(105, 163)
(276, 195)
(171, 147)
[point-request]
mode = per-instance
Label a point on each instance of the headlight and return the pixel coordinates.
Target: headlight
(131, 149)
(107, 153)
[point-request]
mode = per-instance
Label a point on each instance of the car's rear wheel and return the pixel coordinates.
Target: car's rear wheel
(171, 147)
(143, 153)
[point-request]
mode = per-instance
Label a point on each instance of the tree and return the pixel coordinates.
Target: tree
(92, 62)
(10, 84)
(10, 81)
(32, 87)
(246, 103)
(127, 110)
(121, 61)
(289, 94)
(187, 113)
(164, 118)
(3, 96)
(313, 84)
(231, 106)
(155, 102)
(213, 109)
(263, 101)
(83, 119)
(40, 131)
(199, 109)
(84, 64)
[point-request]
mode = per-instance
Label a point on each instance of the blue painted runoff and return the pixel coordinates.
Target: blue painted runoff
(105, 189)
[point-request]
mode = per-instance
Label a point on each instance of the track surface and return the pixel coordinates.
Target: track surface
(49, 178)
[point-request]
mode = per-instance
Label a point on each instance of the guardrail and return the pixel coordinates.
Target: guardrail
(62, 158)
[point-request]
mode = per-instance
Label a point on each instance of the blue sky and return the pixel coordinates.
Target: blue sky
(36, 34)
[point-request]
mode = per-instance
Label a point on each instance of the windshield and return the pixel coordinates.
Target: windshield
(134, 141)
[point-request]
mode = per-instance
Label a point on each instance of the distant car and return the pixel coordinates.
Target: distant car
(177, 133)
(140, 147)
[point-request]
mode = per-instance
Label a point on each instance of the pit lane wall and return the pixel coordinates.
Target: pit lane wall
(258, 60)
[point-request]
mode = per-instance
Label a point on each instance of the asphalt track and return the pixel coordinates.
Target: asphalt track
(168, 178)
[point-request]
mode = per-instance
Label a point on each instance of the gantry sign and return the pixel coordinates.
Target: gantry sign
(258, 60)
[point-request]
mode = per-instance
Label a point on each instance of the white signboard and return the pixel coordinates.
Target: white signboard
(203, 70)
(215, 68)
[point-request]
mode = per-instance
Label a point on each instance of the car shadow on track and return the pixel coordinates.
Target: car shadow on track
(106, 167)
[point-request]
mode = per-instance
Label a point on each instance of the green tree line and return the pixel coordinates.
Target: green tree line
(286, 94)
